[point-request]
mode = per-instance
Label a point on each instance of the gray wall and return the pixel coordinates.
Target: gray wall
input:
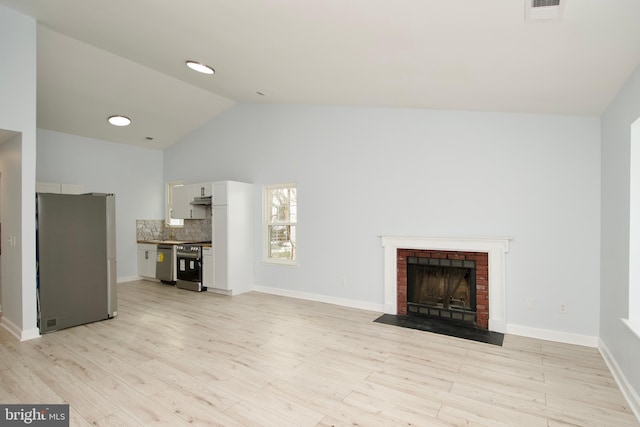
(622, 344)
(133, 174)
(366, 172)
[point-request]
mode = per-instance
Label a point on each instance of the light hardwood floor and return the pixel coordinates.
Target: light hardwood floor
(174, 357)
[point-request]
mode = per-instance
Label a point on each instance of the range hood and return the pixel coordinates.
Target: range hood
(201, 200)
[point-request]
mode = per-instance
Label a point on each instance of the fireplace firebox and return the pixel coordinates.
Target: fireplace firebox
(450, 285)
(444, 288)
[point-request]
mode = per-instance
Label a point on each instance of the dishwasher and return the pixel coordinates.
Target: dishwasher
(164, 264)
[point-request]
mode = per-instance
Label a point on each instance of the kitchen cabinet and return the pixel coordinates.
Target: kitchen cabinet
(219, 240)
(220, 191)
(181, 198)
(147, 254)
(58, 188)
(207, 267)
(232, 235)
(203, 189)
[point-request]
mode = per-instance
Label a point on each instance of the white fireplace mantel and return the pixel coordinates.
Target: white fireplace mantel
(496, 247)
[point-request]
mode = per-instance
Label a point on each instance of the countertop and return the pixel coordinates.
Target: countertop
(175, 242)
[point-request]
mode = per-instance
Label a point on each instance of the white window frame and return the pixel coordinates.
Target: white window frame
(172, 222)
(266, 215)
(633, 318)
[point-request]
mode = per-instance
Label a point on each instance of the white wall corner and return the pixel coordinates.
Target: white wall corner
(631, 396)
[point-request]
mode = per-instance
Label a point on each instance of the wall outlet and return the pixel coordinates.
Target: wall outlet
(563, 309)
(531, 303)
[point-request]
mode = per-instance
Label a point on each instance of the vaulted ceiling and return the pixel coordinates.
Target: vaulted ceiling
(99, 58)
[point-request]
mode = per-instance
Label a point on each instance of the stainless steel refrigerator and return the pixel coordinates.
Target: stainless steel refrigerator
(76, 259)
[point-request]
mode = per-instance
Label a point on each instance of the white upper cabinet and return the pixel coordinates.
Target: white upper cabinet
(220, 191)
(55, 187)
(181, 207)
(202, 189)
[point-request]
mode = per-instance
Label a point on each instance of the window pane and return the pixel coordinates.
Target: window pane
(282, 241)
(281, 215)
(283, 205)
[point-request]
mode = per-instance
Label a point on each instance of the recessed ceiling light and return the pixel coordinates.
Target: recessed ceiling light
(200, 67)
(120, 120)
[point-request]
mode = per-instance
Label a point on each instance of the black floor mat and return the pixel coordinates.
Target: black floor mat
(442, 327)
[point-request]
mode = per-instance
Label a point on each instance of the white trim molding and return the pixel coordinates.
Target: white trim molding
(361, 305)
(552, 335)
(625, 387)
(126, 279)
(19, 333)
(633, 326)
(496, 247)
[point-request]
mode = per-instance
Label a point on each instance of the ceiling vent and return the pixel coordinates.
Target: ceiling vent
(543, 3)
(544, 10)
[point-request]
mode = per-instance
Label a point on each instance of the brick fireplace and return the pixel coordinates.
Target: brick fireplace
(476, 262)
(490, 275)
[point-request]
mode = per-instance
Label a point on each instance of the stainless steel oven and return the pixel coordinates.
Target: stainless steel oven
(189, 267)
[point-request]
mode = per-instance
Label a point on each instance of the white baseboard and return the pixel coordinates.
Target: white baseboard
(544, 334)
(362, 305)
(11, 327)
(551, 335)
(21, 335)
(129, 279)
(219, 291)
(627, 390)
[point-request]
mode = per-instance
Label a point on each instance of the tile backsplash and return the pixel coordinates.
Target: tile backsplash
(194, 230)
